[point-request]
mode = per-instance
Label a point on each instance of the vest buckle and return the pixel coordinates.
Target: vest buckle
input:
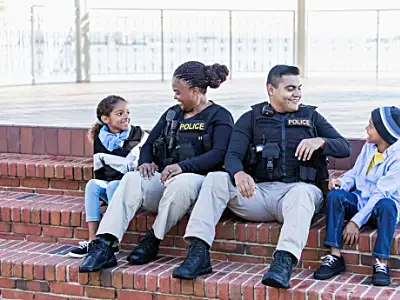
(270, 165)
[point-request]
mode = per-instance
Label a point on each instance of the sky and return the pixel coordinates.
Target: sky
(232, 4)
(365, 20)
(253, 4)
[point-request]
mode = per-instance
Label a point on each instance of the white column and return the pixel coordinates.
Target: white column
(82, 26)
(301, 37)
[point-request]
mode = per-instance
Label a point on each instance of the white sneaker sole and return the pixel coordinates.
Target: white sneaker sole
(74, 255)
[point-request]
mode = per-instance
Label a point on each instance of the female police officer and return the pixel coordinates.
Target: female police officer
(189, 140)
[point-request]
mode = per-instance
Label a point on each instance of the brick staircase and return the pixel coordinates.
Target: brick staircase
(42, 215)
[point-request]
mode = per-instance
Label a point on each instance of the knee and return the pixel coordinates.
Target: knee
(185, 184)
(304, 192)
(181, 181)
(385, 206)
(130, 176)
(303, 196)
(216, 178)
(92, 186)
(335, 197)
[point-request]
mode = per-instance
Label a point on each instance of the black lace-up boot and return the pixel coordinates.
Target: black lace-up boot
(196, 263)
(280, 270)
(146, 251)
(100, 256)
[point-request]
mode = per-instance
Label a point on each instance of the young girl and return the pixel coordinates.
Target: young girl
(116, 152)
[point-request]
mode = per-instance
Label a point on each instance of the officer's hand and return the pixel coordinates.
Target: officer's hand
(170, 171)
(307, 147)
(245, 184)
(147, 170)
(334, 183)
(350, 234)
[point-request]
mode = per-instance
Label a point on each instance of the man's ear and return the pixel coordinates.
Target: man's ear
(270, 89)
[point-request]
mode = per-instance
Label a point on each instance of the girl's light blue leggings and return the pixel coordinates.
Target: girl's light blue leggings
(95, 190)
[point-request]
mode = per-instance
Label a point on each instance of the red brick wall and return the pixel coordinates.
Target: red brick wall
(73, 142)
(45, 140)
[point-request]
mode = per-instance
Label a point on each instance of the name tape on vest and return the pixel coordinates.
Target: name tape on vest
(192, 126)
(298, 122)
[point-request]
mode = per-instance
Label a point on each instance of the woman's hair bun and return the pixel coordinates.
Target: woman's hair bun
(216, 74)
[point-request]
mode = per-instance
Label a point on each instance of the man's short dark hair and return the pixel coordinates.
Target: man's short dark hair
(276, 73)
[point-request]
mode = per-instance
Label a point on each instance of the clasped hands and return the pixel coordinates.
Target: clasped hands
(147, 171)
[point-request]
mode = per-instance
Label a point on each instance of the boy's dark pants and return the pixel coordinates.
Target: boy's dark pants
(342, 205)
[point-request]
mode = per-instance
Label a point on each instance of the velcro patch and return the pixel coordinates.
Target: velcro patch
(298, 122)
(193, 125)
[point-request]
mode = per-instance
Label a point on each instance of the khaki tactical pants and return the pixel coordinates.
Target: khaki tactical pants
(171, 201)
(292, 204)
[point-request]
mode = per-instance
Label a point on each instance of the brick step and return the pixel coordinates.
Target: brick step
(61, 219)
(45, 174)
(31, 270)
(49, 174)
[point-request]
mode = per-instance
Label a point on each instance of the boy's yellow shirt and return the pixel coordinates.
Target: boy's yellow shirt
(378, 158)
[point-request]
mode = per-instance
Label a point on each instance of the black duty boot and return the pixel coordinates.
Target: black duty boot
(280, 270)
(196, 263)
(100, 256)
(146, 251)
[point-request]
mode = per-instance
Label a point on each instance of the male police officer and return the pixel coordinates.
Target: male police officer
(276, 158)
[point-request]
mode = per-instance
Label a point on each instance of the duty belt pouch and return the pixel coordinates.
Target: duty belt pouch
(185, 151)
(307, 174)
(251, 156)
(270, 153)
(159, 151)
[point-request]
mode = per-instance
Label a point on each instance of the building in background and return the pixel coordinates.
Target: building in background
(95, 40)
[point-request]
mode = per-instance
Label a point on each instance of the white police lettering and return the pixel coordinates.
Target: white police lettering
(298, 122)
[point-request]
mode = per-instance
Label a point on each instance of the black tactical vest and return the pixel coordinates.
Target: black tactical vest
(132, 141)
(271, 157)
(184, 138)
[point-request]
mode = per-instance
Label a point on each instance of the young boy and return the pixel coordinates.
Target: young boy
(375, 198)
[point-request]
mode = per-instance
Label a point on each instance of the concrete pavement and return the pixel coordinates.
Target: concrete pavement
(345, 103)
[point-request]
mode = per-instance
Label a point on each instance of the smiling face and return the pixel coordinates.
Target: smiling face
(372, 134)
(286, 95)
(187, 97)
(118, 120)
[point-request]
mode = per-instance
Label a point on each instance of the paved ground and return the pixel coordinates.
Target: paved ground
(345, 103)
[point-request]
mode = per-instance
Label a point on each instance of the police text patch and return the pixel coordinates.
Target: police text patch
(298, 122)
(194, 125)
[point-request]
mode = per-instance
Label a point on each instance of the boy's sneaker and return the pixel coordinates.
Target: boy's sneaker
(381, 274)
(83, 249)
(331, 265)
